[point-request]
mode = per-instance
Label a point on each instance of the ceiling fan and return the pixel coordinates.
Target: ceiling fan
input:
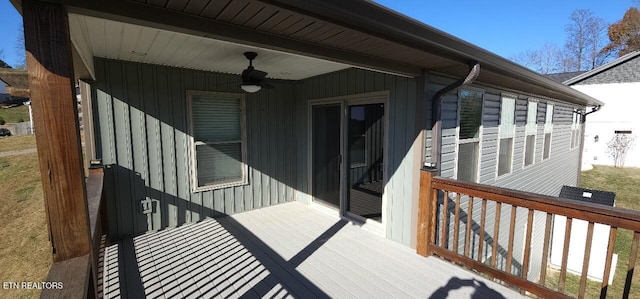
(253, 80)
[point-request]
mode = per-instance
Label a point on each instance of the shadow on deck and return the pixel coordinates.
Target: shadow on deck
(288, 250)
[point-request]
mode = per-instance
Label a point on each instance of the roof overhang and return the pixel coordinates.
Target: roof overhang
(352, 32)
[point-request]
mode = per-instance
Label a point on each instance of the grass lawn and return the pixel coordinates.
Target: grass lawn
(25, 252)
(14, 143)
(625, 182)
(15, 114)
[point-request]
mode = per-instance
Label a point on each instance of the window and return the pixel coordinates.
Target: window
(575, 129)
(218, 147)
(357, 136)
(506, 129)
(530, 133)
(470, 121)
(623, 132)
(548, 129)
(505, 158)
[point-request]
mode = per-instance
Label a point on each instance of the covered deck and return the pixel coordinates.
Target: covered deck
(288, 250)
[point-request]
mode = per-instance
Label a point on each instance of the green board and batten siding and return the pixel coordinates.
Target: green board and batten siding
(142, 137)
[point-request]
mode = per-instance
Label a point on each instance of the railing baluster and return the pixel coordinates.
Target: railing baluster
(467, 238)
(585, 261)
(512, 228)
(607, 264)
(545, 249)
(445, 213)
(632, 264)
(565, 256)
(496, 233)
(434, 217)
(534, 203)
(527, 246)
(456, 224)
(483, 216)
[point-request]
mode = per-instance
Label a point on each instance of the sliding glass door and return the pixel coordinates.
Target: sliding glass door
(365, 163)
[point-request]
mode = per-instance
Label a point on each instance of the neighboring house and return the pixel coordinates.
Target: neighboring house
(617, 84)
(347, 125)
(15, 84)
(4, 96)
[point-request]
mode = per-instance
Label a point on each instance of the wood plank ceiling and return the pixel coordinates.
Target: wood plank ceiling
(129, 42)
(274, 20)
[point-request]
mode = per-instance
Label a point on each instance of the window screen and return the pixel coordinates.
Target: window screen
(529, 150)
(218, 139)
(470, 114)
(468, 162)
(547, 146)
(505, 158)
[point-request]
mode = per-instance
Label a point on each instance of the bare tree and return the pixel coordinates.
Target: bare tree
(618, 147)
(546, 60)
(20, 50)
(585, 40)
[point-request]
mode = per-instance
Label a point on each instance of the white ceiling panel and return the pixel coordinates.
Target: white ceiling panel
(117, 40)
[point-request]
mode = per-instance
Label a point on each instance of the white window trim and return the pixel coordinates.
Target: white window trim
(511, 135)
(469, 140)
(192, 144)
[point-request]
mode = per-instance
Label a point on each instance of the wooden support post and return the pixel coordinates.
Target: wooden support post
(426, 212)
(55, 117)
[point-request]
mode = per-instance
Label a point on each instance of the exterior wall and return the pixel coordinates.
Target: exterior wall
(543, 177)
(620, 112)
(142, 138)
(401, 206)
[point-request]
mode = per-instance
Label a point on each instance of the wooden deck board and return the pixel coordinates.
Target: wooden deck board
(286, 251)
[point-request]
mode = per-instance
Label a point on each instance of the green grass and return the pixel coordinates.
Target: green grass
(625, 182)
(14, 143)
(25, 251)
(15, 114)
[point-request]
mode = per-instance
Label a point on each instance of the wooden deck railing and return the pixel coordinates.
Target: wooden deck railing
(435, 236)
(79, 276)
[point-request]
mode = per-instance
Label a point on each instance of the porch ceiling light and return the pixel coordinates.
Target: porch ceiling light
(250, 88)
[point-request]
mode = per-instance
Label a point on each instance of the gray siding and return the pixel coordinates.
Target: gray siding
(141, 112)
(143, 140)
(544, 177)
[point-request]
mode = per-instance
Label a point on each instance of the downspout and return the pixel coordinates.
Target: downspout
(583, 120)
(436, 109)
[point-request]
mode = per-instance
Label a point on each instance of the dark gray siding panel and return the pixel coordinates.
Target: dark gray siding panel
(143, 139)
(521, 111)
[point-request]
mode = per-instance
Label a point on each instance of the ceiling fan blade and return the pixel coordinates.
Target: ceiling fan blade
(266, 84)
(257, 74)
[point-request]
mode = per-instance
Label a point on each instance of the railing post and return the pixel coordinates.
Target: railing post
(426, 212)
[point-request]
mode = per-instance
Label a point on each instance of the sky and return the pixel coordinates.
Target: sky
(505, 27)
(10, 22)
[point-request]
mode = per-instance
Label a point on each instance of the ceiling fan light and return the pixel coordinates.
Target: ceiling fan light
(250, 88)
